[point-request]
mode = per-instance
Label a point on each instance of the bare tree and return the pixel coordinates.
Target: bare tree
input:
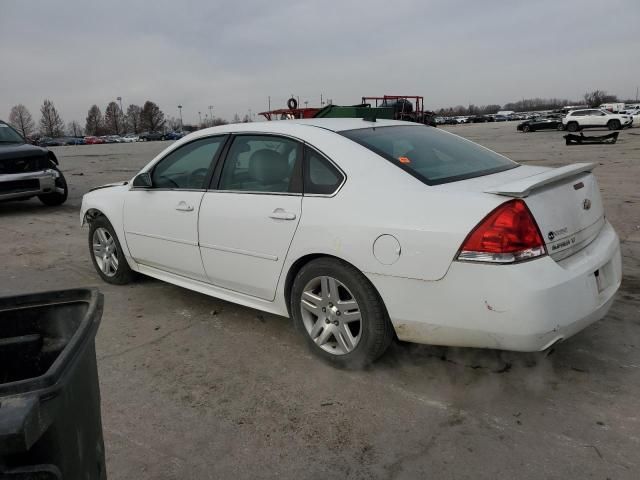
(173, 123)
(94, 125)
(236, 118)
(20, 118)
(246, 119)
(598, 97)
(219, 121)
(151, 117)
(113, 119)
(74, 129)
(133, 118)
(51, 125)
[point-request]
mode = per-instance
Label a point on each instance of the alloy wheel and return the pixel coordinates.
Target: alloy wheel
(105, 251)
(331, 315)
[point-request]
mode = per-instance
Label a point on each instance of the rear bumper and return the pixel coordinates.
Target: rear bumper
(29, 184)
(524, 307)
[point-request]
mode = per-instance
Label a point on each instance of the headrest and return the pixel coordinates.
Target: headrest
(268, 166)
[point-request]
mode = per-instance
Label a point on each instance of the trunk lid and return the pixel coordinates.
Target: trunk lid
(565, 203)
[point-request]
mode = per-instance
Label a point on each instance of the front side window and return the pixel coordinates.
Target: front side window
(320, 176)
(187, 167)
(262, 163)
(431, 155)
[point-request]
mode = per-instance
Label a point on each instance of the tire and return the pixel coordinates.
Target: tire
(526, 128)
(56, 198)
(321, 317)
(119, 274)
(572, 126)
(613, 125)
(292, 103)
(560, 127)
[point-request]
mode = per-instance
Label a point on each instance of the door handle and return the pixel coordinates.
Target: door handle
(280, 214)
(183, 207)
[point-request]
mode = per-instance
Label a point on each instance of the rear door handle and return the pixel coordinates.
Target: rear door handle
(280, 214)
(183, 207)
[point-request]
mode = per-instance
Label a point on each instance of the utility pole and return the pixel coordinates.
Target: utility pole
(180, 110)
(270, 103)
(211, 114)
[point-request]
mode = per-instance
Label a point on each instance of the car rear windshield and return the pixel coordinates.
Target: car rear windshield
(431, 155)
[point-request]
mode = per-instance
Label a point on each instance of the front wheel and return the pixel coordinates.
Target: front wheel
(340, 314)
(613, 124)
(572, 126)
(106, 253)
(526, 128)
(560, 127)
(60, 195)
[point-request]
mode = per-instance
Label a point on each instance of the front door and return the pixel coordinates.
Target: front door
(161, 222)
(247, 224)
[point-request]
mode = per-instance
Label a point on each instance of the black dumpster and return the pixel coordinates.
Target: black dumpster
(50, 425)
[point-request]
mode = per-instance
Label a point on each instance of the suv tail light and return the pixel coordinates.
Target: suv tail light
(508, 234)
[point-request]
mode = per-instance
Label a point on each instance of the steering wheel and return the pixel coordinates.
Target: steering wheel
(164, 180)
(197, 177)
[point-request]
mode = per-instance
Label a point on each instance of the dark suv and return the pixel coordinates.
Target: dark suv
(28, 171)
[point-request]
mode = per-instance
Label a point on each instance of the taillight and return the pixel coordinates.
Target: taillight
(508, 234)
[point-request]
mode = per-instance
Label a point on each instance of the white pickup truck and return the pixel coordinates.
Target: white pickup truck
(595, 118)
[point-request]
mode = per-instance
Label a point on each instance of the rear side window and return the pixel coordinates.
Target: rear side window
(320, 176)
(261, 163)
(431, 155)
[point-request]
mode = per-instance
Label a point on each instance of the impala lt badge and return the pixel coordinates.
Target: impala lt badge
(586, 204)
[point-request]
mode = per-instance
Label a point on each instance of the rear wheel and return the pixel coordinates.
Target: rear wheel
(526, 128)
(572, 126)
(60, 195)
(560, 127)
(340, 314)
(613, 124)
(106, 253)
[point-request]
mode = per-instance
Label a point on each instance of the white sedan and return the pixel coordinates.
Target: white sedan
(362, 230)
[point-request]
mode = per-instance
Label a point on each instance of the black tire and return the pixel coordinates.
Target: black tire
(55, 199)
(123, 274)
(376, 330)
(526, 128)
(572, 126)
(613, 125)
(292, 103)
(560, 127)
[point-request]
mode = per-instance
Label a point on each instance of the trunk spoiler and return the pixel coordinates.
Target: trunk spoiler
(523, 187)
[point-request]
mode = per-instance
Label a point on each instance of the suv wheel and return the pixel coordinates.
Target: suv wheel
(613, 124)
(58, 197)
(572, 126)
(340, 314)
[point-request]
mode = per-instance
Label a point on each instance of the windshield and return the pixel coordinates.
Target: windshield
(431, 155)
(9, 135)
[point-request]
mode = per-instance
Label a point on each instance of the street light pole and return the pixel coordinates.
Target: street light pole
(180, 110)
(200, 115)
(211, 114)
(121, 111)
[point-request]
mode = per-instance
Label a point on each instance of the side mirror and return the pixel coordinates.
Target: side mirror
(143, 180)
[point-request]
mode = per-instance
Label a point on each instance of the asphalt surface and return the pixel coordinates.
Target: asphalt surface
(195, 388)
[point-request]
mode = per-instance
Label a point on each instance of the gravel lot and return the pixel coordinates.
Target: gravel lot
(194, 387)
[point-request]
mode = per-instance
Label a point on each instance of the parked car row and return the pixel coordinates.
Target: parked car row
(93, 139)
(576, 120)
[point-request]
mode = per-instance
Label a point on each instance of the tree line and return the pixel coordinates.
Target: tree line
(591, 99)
(137, 119)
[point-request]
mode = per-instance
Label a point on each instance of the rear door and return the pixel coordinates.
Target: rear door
(247, 222)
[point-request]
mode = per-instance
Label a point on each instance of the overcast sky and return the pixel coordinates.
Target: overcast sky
(234, 54)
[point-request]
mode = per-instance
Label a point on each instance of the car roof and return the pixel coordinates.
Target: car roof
(281, 126)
